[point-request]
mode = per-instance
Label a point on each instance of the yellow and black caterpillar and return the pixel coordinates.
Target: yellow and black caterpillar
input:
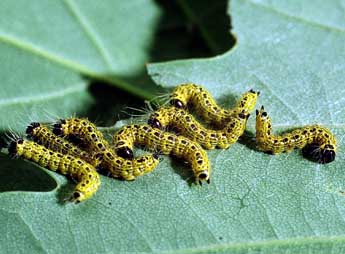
(44, 136)
(85, 129)
(318, 142)
(188, 126)
(119, 167)
(207, 108)
(85, 174)
(165, 143)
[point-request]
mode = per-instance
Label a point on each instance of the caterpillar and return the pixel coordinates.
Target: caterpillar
(188, 126)
(85, 174)
(126, 168)
(85, 129)
(44, 136)
(318, 142)
(166, 143)
(206, 107)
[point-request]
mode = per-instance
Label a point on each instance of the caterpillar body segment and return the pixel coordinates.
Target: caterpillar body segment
(85, 129)
(207, 108)
(44, 136)
(165, 143)
(188, 126)
(317, 142)
(88, 180)
(126, 168)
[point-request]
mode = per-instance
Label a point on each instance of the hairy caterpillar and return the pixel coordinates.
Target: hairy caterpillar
(188, 126)
(85, 129)
(165, 143)
(207, 108)
(321, 142)
(118, 166)
(44, 136)
(84, 173)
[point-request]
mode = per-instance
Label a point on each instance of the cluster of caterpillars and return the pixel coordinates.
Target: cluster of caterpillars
(51, 148)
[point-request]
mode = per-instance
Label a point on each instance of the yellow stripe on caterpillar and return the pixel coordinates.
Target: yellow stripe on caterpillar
(85, 129)
(317, 142)
(205, 105)
(44, 136)
(126, 168)
(188, 126)
(165, 143)
(85, 174)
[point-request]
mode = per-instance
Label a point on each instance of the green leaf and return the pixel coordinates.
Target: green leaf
(256, 203)
(49, 51)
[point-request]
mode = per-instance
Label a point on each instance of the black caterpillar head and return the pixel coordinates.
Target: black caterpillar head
(321, 155)
(57, 129)
(12, 148)
(203, 176)
(153, 122)
(177, 103)
(125, 153)
(29, 130)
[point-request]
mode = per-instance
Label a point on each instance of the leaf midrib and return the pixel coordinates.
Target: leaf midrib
(76, 13)
(269, 244)
(75, 66)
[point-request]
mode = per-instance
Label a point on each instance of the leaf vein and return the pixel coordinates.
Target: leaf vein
(43, 96)
(296, 18)
(74, 66)
(90, 33)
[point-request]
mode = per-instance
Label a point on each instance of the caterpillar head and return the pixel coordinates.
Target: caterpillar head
(177, 103)
(31, 127)
(248, 101)
(125, 152)
(180, 96)
(57, 128)
(15, 148)
(203, 176)
(77, 197)
(327, 154)
(243, 115)
(321, 153)
(154, 122)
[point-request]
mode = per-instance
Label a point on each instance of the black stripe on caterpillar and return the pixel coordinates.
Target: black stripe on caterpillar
(165, 143)
(188, 126)
(88, 180)
(206, 107)
(119, 167)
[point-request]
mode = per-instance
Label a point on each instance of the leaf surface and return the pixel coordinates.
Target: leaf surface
(256, 203)
(50, 50)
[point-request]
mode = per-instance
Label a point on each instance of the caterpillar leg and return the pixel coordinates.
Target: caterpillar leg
(318, 142)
